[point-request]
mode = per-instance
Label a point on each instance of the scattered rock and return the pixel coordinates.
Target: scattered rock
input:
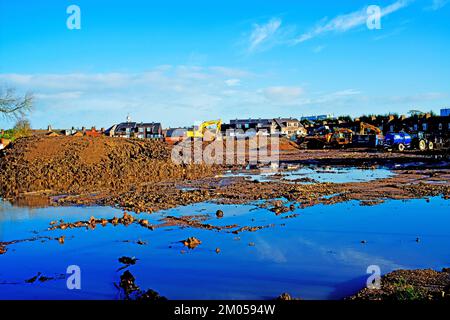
(61, 239)
(286, 297)
(132, 291)
(128, 260)
(191, 242)
(219, 213)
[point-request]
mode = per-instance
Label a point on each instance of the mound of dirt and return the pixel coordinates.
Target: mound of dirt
(71, 165)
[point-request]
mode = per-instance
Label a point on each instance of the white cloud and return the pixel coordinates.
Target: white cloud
(348, 21)
(233, 82)
(262, 33)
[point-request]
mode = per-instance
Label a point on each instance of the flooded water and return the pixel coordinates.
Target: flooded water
(317, 174)
(315, 255)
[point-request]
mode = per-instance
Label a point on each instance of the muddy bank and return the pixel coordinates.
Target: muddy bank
(367, 158)
(407, 184)
(59, 165)
(410, 285)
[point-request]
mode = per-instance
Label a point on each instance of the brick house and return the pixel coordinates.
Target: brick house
(289, 127)
(141, 130)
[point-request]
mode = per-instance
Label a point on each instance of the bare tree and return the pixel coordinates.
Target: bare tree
(13, 106)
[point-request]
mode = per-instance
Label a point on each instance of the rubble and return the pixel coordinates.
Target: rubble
(191, 242)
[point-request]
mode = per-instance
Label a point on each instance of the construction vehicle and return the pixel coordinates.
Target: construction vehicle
(199, 132)
(368, 136)
(325, 137)
(402, 140)
(367, 128)
(397, 140)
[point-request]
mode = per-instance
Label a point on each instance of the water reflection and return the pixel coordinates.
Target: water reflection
(317, 255)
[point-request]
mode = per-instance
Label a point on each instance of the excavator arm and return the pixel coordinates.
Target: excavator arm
(363, 126)
(199, 132)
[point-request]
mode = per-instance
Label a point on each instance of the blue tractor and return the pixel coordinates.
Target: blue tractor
(397, 140)
(403, 140)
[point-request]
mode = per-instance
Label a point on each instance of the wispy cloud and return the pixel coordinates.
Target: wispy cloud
(233, 82)
(263, 33)
(282, 94)
(346, 22)
(437, 4)
(318, 49)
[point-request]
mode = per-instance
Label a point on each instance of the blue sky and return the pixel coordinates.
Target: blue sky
(179, 62)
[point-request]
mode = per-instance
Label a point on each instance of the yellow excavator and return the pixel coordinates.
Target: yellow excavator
(363, 127)
(368, 136)
(198, 132)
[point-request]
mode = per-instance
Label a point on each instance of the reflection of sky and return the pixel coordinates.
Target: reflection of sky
(322, 174)
(318, 254)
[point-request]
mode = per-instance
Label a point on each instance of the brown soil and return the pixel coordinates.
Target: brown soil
(406, 184)
(410, 285)
(70, 165)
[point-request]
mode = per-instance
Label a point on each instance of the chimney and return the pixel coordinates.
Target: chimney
(402, 117)
(49, 128)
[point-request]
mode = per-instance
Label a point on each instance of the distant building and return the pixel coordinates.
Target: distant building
(289, 127)
(141, 130)
(445, 112)
(284, 126)
(259, 125)
(318, 117)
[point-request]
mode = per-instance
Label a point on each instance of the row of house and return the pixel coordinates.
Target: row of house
(285, 126)
(427, 123)
(151, 130)
(93, 132)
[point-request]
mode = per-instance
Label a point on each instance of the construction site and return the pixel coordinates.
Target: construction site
(217, 158)
(223, 209)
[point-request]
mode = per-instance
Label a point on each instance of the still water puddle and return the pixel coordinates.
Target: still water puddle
(316, 174)
(315, 255)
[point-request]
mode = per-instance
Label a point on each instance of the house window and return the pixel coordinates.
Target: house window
(127, 130)
(391, 128)
(141, 129)
(247, 126)
(424, 126)
(148, 129)
(415, 127)
(440, 126)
